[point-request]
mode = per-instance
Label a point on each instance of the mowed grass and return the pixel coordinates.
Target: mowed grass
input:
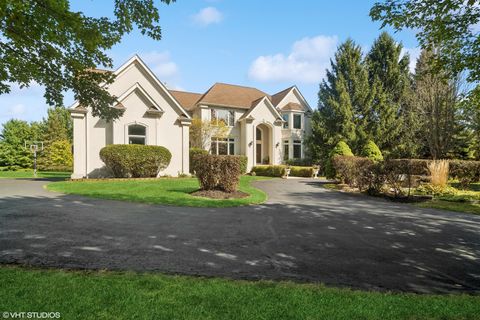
(115, 295)
(28, 173)
(169, 191)
(467, 201)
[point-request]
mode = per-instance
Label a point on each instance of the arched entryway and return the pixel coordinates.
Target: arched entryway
(263, 144)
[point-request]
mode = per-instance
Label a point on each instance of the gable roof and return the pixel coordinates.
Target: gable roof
(187, 100)
(257, 102)
(137, 60)
(229, 95)
(277, 97)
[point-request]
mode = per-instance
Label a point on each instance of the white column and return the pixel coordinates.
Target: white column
(185, 123)
(79, 146)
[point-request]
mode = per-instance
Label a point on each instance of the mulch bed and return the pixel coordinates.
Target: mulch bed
(218, 194)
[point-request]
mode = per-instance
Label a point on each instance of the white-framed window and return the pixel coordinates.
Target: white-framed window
(297, 121)
(285, 117)
(227, 116)
(297, 149)
(137, 134)
(221, 146)
(286, 150)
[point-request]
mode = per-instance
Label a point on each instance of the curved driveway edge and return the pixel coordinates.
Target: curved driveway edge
(303, 233)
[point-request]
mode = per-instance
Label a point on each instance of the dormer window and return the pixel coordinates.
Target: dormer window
(228, 117)
(137, 134)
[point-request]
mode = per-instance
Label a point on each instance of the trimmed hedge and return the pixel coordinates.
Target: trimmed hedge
(269, 171)
(217, 172)
(466, 172)
(192, 153)
(306, 172)
(134, 160)
(279, 171)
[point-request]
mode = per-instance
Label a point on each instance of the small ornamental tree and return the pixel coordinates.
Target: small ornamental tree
(371, 151)
(340, 149)
(202, 132)
(57, 156)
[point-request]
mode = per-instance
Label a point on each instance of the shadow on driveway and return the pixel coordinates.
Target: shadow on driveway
(303, 233)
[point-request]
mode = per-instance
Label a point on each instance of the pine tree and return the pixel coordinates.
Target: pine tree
(390, 82)
(344, 98)
(58, 125)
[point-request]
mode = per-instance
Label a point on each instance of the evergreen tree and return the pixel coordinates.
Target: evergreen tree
(390, 82)
(344, 99)
(58, 125)
(370, 150)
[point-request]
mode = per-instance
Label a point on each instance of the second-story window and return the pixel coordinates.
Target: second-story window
(285, 118)
(227, 116)
(297, 121)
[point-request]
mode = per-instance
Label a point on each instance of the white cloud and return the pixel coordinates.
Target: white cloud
(414, 54)
(307, 61)
(161, 64)
(208, 15)
(16, 110)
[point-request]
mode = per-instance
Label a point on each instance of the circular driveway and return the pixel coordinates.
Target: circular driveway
(303, 233)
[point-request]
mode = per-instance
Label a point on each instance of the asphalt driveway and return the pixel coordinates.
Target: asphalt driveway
(303, 233)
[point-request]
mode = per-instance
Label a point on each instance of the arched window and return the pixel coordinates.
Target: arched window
(258, 133)
(137, 134)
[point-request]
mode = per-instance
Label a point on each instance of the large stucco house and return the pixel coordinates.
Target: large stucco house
(268, 129)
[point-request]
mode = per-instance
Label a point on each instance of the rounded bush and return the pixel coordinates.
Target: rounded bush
(218, 172)
(193, 152)
(371, 151)
(134, 160)
(340, 149)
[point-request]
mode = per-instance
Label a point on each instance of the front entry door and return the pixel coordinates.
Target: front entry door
(259, 153)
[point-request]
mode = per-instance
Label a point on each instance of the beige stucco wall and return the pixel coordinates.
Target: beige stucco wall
(291, 134)
(165, 130)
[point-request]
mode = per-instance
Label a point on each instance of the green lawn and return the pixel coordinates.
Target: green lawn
(462, 201)
(170, 191)
(115, 295)
(28, 173)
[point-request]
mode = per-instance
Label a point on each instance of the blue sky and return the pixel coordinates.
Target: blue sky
(270, 45)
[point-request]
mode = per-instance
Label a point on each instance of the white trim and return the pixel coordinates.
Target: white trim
(269, 104)
(126, 135)
(137, 87)
(137, 59)
(299, 97)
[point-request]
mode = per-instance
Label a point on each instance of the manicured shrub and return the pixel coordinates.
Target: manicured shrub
(218, 172)
(371, 151)
(192, 153)
(136, 161)
(340, 149)
(243, 164)
(297, 171)
(466, 172)
(269, 171)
